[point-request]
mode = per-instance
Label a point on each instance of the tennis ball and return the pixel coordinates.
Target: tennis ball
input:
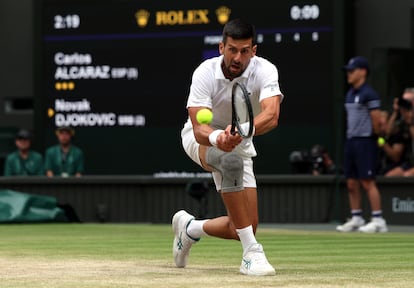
(381, 141)
(204, 116)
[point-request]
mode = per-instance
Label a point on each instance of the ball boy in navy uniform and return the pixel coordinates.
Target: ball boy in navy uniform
(362, 105)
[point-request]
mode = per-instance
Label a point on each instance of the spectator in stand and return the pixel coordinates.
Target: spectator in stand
(24, 161)
(64, 159)
(392, 146)
(409, 95)
(402, 132)
(395, 116)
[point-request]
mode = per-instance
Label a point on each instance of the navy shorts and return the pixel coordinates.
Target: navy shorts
(361, 156)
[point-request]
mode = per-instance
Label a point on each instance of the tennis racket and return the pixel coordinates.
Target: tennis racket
(242, 111)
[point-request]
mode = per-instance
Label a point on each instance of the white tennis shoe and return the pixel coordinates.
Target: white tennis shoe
(377, 224)
(352, 224)
(182, 242)
(254, 262)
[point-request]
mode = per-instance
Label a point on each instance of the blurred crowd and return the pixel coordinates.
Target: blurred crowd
(63, 159)
(396, 153)
(396, 139)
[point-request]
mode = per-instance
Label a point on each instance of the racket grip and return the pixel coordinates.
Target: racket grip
(233, 130)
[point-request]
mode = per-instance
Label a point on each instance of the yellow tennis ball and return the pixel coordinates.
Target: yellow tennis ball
(381, 141)
(204, 116)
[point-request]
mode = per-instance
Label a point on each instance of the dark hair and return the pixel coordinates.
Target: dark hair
(404, 104)
(240, 30)
(409, 90)
(24, 134)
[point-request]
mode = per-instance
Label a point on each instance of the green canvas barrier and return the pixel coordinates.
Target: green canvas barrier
(18, 207)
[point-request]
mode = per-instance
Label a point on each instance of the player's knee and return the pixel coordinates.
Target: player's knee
(213, 157)
(230, 165)
(232, 172)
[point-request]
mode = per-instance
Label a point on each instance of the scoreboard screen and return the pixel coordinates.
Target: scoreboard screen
(119, 72)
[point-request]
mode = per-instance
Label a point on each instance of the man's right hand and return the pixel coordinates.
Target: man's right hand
(227, 142)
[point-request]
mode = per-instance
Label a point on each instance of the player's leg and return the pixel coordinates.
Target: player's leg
(188, 230)
(230, 176)
(182, 240)
(242, 204)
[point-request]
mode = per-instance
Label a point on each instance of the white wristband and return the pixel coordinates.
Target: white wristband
(212, 138)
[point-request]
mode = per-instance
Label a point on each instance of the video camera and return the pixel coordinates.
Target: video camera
(308, 160)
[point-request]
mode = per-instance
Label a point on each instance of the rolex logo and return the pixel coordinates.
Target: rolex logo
(223, 14)
(141, 16)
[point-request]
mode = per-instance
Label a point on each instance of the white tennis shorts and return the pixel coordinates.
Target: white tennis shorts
(191, 147)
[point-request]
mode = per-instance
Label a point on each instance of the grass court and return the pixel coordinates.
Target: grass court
(140, 255)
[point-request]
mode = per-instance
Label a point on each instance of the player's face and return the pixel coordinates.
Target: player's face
(237, 55)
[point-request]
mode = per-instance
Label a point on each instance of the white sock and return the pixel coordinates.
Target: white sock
(195, 229)
(377, 214)
(246, 237)
(356, 214)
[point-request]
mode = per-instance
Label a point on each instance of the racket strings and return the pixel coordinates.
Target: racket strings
(242, 110)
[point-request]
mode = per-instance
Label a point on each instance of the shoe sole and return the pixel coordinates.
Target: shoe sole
(354, 228)
(267, 273)
(380, 230)
(345, 231)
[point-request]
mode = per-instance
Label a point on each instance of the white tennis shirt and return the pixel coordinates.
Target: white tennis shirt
(209, 88)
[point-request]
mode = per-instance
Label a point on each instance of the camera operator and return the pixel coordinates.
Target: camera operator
(315, 161)
(403, 129)
(322, 162)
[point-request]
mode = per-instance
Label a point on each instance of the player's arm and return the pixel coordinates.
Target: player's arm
(224, 140)
(268, 118)
(201, 131)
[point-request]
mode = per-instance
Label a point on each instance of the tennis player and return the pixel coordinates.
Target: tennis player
(227, 156)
